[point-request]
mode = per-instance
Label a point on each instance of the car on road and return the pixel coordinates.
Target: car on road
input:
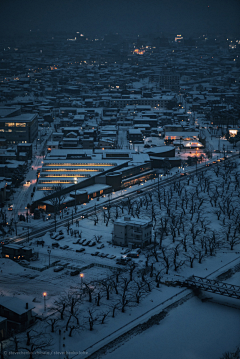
(75, 272)
(111, 256)
(139, 191)
(58, 268)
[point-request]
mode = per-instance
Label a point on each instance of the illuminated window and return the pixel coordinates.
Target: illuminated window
(42, 206)
(20, 124)
(6, 256)
(1, 130)
(10, 124)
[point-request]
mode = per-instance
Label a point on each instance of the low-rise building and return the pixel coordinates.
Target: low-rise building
(132, 232)
(15, 251)
(18, 314)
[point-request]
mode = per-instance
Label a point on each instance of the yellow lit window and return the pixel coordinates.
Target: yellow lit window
(20, 124)
(42, 206)
(10, 124)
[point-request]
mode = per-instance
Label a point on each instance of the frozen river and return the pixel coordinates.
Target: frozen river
(194, 330)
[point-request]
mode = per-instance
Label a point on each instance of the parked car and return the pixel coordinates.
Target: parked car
(132, 255)
(55, 245)
(86, 243)
(92, 243)
(80, 250)
(111, 256)
(75, 272)
(58, 268)
(123, 260)
(100, 246)
(64, 247)
(95, 253)
(125, 251)
(23, 261)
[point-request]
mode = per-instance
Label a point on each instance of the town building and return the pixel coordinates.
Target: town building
(19, 129)
(17, 252)
(132, 232)
(17, 313)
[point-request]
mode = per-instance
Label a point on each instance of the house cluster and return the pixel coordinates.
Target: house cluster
(103, 100)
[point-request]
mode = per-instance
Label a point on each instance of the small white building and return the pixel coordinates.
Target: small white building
(132, 232)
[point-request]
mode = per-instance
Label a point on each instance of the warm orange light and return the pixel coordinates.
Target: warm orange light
(81, 275)
(44, 294)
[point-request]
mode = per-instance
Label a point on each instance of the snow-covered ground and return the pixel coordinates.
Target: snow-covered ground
(199, 236)
(192, 330)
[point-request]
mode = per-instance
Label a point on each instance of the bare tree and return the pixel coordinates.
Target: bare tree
(36, 341)
(91, 318)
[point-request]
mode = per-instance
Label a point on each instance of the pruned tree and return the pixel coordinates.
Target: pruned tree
(36, 341)
(91, 318)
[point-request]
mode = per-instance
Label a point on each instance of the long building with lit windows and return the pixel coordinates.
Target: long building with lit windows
(67, 172)
(19, 129)
(84, 174)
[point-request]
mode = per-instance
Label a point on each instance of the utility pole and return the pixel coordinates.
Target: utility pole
(55, 219)
(49, 253)
(75, 202)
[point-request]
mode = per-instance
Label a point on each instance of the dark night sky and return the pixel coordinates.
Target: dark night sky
(126, 16)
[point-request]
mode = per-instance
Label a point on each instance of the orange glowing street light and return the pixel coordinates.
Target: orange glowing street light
(81, 276)
(44, 300)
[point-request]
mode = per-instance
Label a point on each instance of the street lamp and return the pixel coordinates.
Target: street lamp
(44, 301)
(81, 276)
(49, 252)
